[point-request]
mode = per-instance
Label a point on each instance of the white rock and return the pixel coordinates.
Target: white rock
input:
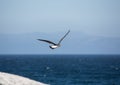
(11, 79)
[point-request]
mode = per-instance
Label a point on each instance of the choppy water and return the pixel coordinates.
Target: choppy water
(65, 69)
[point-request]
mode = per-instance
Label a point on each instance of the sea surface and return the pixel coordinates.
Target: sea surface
(65, 69)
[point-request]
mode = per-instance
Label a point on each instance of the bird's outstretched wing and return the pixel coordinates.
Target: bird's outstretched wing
(50, 42)
(63, 37)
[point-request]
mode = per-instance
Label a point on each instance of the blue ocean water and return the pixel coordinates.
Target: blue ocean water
(65, 69)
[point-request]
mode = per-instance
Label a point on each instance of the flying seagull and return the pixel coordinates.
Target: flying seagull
(54, 45)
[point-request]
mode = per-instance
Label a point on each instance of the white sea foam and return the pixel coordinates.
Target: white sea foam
(11, 79)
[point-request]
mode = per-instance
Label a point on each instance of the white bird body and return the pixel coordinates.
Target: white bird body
(54, 45)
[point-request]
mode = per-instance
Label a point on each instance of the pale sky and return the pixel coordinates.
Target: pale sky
(99, 17)
(91, 17)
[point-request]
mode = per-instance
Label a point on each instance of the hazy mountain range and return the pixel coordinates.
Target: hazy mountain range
(74, 43)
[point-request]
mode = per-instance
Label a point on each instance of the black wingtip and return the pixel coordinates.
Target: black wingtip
(39, 39)
(68, 31)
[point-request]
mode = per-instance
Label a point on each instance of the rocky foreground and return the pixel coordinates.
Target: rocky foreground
(11, 79)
